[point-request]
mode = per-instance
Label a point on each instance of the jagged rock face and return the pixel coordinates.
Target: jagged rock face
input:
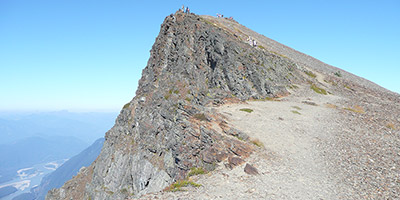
(169, 126)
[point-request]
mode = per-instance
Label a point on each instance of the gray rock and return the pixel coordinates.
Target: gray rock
(249, 169)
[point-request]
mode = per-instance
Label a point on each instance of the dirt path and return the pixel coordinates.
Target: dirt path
(292, 131)
(292, 165)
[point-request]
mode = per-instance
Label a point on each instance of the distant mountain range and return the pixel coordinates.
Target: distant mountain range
(85, 126)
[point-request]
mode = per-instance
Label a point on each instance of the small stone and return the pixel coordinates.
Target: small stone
(249, 169)
(221, 156)
(234, 161)
(310, 103)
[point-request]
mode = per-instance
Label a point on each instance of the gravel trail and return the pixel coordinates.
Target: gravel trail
(293, 131)
(291, 164)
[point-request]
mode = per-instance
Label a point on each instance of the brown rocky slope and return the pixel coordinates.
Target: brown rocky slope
(173, 124)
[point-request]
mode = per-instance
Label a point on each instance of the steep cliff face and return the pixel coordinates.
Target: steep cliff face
(170, 125)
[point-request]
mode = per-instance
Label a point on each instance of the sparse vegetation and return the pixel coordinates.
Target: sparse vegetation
(310, 74)
(238, 137)
(246, 110)
(318, 90)
(310, 103)
(267, 99)
(167, 96)
(200, 116)
(261, 47)
(296, 112)
(356, 109)
(296, 107)
(271, 99)
(126, 105)
(257, 142)
(173, 91)
(196, 171)
(177, 186)
(338, 74)
(278, 54)
(331, 105)
(391, 126)
(124, 190)
(208, 22)
(348, 87)
(110, 192)
(188, 99)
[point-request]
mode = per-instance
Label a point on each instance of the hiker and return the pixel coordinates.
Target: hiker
(183, 8)
(187, 10)
(254, 43)
(250, 40)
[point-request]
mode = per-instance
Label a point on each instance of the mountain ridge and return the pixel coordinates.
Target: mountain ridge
(293, 54)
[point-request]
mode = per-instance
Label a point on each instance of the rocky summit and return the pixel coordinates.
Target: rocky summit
(327, 133)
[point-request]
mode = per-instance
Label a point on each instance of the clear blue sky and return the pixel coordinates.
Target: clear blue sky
(88, 55)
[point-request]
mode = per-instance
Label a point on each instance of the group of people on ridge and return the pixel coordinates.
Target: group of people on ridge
(222, 16)
(252, 41)
(187, 10)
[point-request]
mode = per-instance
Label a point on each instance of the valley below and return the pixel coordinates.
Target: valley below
(29, 178)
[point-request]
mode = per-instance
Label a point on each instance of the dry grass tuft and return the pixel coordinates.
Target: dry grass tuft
(347, 87)
(200, 116)
(257, 142)
(318, 90)
(296, 107)
(310, 74)
(356, 109)
(266, 99)
(390, 125)
(246, 110)
(177, 186)
(296, 112)
(196, 171)
(328, 105)
(126, 105)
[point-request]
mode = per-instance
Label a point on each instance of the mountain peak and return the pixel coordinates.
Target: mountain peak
(172, 126)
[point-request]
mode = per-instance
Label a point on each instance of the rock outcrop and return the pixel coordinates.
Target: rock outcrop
(170, 126)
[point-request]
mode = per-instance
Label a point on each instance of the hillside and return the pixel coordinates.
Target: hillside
(261, 121)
